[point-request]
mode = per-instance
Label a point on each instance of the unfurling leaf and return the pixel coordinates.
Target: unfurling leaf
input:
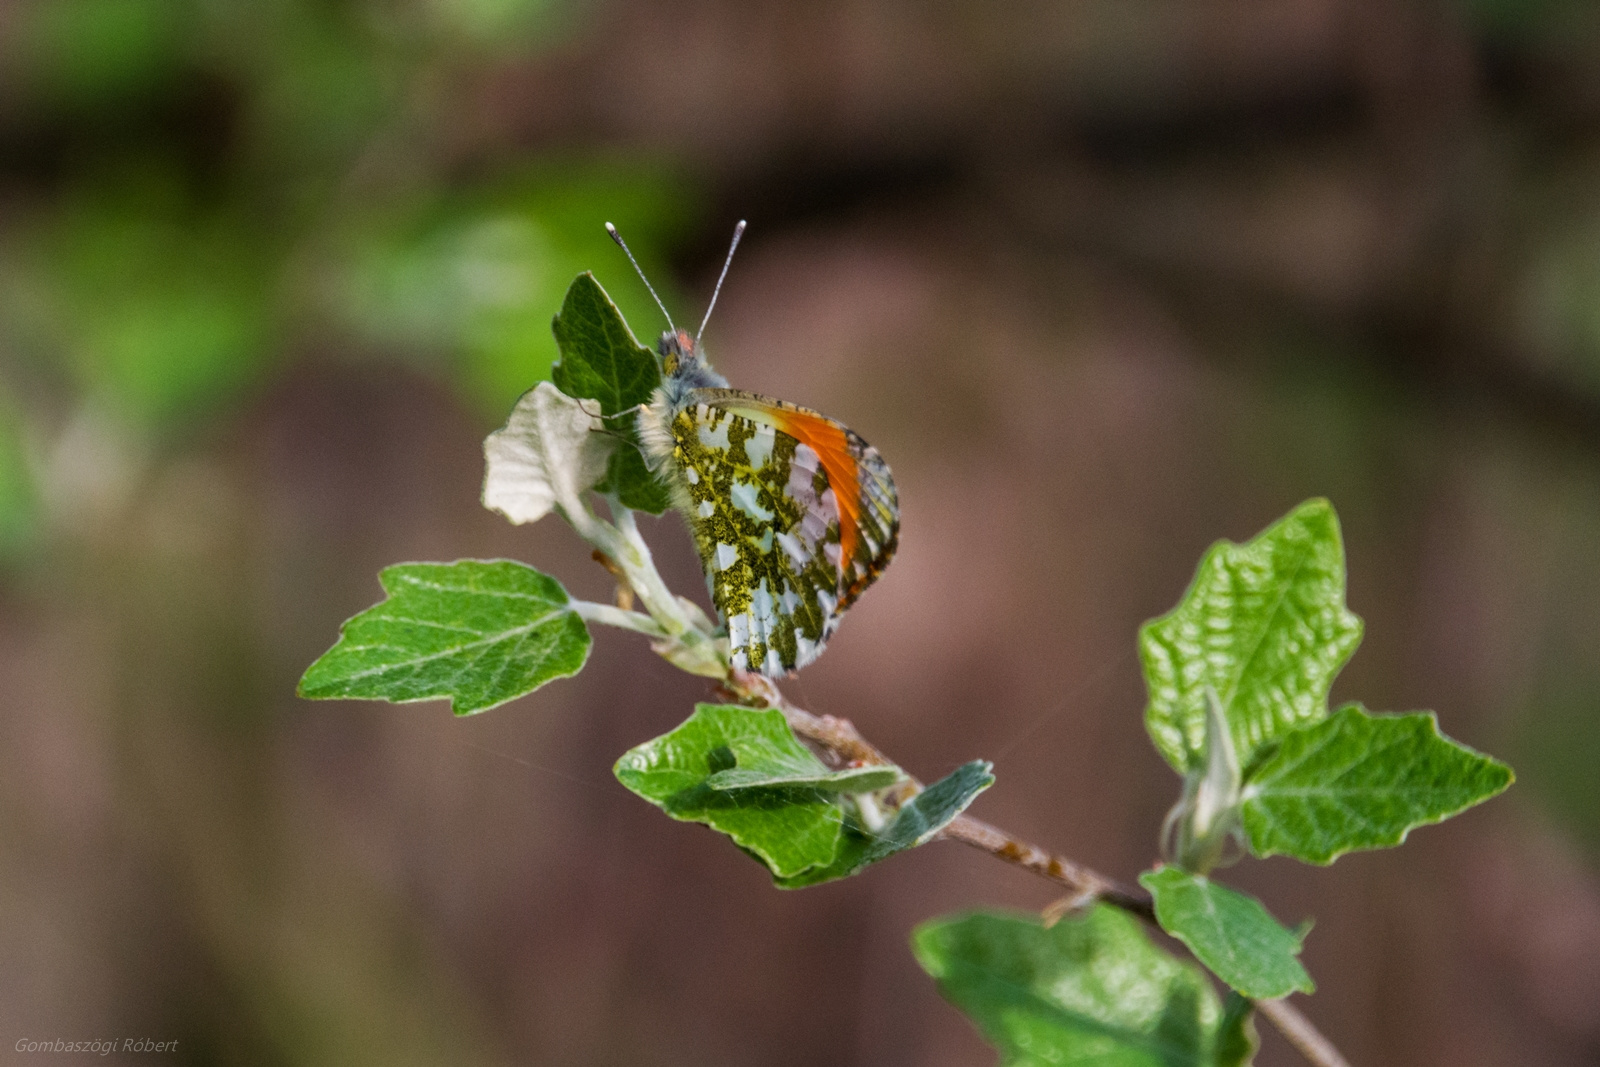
(1229, 932)
(603, 361)
(479, 632)
(1359, 781)
(549, 451)
(914, 823)
(1207, 815)
(1265, 625)
(1087, 992)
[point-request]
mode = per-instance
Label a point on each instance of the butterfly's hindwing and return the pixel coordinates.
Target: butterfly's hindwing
(762, 545)
(783, 554)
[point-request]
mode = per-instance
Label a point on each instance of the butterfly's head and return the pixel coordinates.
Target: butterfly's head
(677, 352)
(684, 366)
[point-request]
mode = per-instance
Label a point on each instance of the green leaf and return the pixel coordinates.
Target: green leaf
(629, 478)
(1359, 781)
(789, 827)
(1237, 1040)
(602, 360)
(1087, 992)
(1229, 932)
(479, 632)
(1265, 625)
(916, 822)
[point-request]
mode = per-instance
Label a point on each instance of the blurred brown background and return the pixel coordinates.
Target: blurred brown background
(1105, 280)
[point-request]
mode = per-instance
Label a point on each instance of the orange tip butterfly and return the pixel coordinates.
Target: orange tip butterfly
(793, 513)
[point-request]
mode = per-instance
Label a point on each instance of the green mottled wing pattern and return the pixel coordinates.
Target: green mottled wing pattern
(793, 515)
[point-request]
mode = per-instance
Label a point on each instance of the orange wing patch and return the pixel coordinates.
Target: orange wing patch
(827, 439)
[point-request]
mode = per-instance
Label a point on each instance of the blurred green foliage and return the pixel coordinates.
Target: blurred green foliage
(92, 52)
(213, 190)
(1525, 19)
(477, 276)
(1559, 741)
(157, 311)
(18, 506)
(1558, 733)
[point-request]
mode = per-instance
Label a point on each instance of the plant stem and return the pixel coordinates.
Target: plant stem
(1084, 882)
(621, 618)
(1306, 1039)
(682, 631)
(632, 556)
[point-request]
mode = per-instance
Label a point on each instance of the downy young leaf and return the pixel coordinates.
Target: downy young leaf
(1359, 781)
(1229, 932)
(915, 823)
(480, 632)
(1207, 815)
(788, 820)
(601, 360)
(1087, 992)
(1265, 625)
(549, 450)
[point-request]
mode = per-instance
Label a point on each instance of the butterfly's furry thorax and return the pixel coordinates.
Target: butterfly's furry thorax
(683, 370)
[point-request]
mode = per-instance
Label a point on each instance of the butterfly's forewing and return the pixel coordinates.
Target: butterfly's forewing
(793, 514)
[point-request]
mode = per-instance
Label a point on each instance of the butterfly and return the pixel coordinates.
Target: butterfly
(793, 514)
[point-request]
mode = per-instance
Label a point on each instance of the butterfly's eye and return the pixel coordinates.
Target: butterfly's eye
(676, 350)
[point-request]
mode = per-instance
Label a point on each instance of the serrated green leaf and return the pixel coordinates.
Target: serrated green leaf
(602, 360)
(600, 357)
(1087, 992)
(1265, 625)
(790, 827)
(480, 632)
(916, 822)
(1359, 781)
(1229, 932)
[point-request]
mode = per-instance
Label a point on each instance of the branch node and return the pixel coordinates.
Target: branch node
(1073, 904)
(624, 590)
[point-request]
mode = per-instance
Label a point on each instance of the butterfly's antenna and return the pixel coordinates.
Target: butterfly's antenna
(617, 237)
(625, 412)
(738, 232)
